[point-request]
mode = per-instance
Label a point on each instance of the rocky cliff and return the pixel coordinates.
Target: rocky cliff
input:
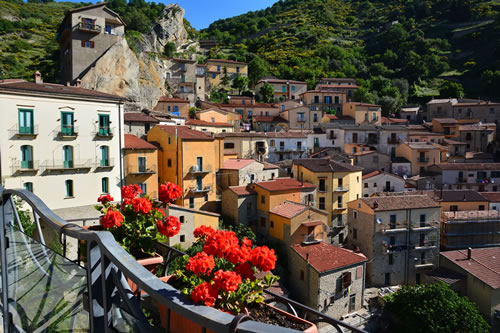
(140, 77)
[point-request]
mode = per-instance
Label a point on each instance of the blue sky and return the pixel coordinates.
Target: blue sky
(203, 12)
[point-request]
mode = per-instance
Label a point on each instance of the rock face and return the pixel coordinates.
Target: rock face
(170, 28)
(120, 72)
(140, 78)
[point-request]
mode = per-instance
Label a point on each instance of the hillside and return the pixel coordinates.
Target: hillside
(403, 51)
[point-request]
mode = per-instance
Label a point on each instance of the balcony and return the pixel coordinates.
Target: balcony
(301, 119)
(427, 245)
(197, 169)
(423, 226)
(423, 159)
(393, 227)
(393, 141)
(283, 150)
(66, 132)
(51, 166)
(89, 27)
(423, 264)
(142, 170)
(101, 164)
(17, 131)
(388, 189)
(200, 189)
(340, 206)
(323, 189)
(341, 188)
(104, 132)
(21, 167)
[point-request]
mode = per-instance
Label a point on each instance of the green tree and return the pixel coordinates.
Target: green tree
(364, 95)
(225, 77)
(432, 308)
(240, 83)
(389, 105)
(451, 89)
(257, 69)
(170, 49)
(267, 92)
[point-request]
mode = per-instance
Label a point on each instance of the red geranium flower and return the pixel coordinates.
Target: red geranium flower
(220, 243)
(205, 293)
(201, 263)
(130, 191)
(111, 219)
(104, 199)
(245, 270)
(263, 258)
(203, 231)
(142, 205)
(169, 226)
(169, 192)
(228, 281)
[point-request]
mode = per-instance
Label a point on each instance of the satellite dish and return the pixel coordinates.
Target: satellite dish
(447, 154)
(379, 221)
(405, 177)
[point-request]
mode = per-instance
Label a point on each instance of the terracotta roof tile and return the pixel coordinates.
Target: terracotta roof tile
(484, 264)
(227, 61)
(139, 117)
(237, 164)
(457, 195)
(278, 135)
(469, 166)
(281, 81)
(325, 165)
(386, 120)
(270, 119)
(325, 257)
(172, 99)
(185, 132)
(337, 86)
(268, 166)
(289, 209)
(398, 202)
(371, 174)
(241, 190)
(197, 122)
(284, 184)
(133, 142)
(491, 196)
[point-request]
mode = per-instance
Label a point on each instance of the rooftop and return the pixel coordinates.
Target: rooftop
(491, 196)
(421, 145)
(290, 209)
(270, 119)
(271, 80)
(241, 190)
(226, 61)
(237, 164)
(446, 275)
(325, 257)
(172, 99)
(457, 195)
(139, 117)
(399, 202)
(484, 264)
(337, 86)
(285, 184)
(197, 122)
(325, 165)
(133, 142)
(185, 132)
(469, 166)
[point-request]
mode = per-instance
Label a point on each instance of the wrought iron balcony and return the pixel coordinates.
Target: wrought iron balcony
(142, 170)
(104, 163)
(424, 263)
(66, 165)
(388, 189)
(427, 245)
(89, 27)
(19, 167)
(23, 131)
(197, 169)
(104, 132)
(200, 189)
(422, 226)
(67, 132)
(301, 119)
(93, 296)
(393, 227)
(323, 189)
(341, 188)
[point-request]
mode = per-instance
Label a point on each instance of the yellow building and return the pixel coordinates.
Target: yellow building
(190, 159)
(459, 200)
(177, 106)
(217, 68)
(363, 113)
(337, 183)
(420, 154)
(294, 223)
(141, 160)
(215, 115)
(212, 127)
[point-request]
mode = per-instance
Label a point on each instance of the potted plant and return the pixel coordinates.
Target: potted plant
(227, 274)
(138, 222)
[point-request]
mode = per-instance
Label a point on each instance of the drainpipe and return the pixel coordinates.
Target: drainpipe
(120, 143)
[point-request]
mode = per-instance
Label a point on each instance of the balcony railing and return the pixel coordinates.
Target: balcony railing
(372, 141)
(332, 137)
(430, 225)
(197, 169)
(341, 188)
(393, 141)
(89, 27)
(393, 227)
(301, 119)
(283, 150)
(104, 132)
(142, 170)
(423, 159)
(104, 163)
(65, 132)
(323, 189)
(388, 189)
(200, 189)
(423, 263)
(65, 165)
(100, 299)
(23, 131)
(18, 167)
(426, 245)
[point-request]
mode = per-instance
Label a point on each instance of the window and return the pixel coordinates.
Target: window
(453, 208)
(271, 143)
(218, 68)
(181, 219)
(387, 279)
(355, 215)
(392, 240)
(69, 188)
(322, 203)
(293, 88)
(328, 99)
(105, 185)
(199, 163)
(28, 186)
(272, 224)
(68, 157)
(206, 197)
(262, 199)
(88, 43)
(366, 185)
(191, 202)
(316, 99)
(315, 117)
(237, 69)
(182, 238)
(283, 89)
(391, 259)
(492, 111)
(322, 185)
(105, 157)
(421, 240)
(355, 233)
(144, 188)
(267, 113)
(392, 221)
(214, 75)
(26, 157)
(481, 207)
(183, 79)
(104, 125)
(228, 145)
(468, 136)
(339, 202)
(26, 121)
(199, 183)
(107, 29)
(422, 220)
(337, 100)
(341, 238)
(169, 162)
(374, 184)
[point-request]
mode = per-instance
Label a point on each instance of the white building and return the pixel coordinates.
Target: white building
(378, 181)
(286, 146)
(60, 142)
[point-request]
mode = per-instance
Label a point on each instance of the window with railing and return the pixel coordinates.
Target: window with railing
(104, 123)
(392, 222)
(67, 123)
(68, 157)
(141, 163)
(104, 156)
(26, 121)
(26, 157)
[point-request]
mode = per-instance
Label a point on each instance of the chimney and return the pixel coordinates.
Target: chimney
(78, 83)
(68, 84)
(307, 257)
(469, 253)
(38, 77)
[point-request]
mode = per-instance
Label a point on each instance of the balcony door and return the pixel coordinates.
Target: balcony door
(104, 156)
(68, 156)
(199, 163)
(199, 183)
(67, 123)
(27, 157)
(104, 124)
(26, 121)
(141, 161)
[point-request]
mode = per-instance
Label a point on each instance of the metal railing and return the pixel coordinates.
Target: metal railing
(17, 166)
(104, 132)
(138, 170)
(102, 164)
(17, 131)
(65, 132)
(62, 165)
(323, 189)
(103, 301)
(423, 160)
(341, 188)
(198, 189)
(89, 27)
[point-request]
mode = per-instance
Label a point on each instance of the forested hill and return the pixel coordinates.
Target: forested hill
(403, 51)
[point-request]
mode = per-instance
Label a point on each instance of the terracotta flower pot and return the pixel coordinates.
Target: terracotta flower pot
(151, 264)
(312, 329)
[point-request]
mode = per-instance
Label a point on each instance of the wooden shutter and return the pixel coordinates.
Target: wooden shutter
(83, 43)
(346, 279)
(359, 272)
(92, 44)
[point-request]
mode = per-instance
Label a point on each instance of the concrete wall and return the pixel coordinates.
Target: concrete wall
(304, 118)
(48, 149)
(378, 184)
(290, 148)
(373, 161)
(132, 167)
